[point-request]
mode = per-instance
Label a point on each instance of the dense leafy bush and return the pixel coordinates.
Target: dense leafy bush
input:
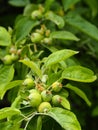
(42, 66)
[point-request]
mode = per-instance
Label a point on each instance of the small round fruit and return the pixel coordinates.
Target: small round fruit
(46, 95)
(33, 91)
(28, 82)
(56, 100)
(13, 50)
(56, 86)
(35, 99)
(14, 57)
(19, 51)
(7, 60)
(47, 40)
(44, 107)
(36, 37)
(37, 14)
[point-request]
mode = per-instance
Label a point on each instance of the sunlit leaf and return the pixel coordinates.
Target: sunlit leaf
(8, 112)
(5, 38)
(6, 75)
(33, 66)
(10, 85)
(58, 56)
(65, 35)
(79, 73)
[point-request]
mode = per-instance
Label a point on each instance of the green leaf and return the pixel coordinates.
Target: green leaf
(93, 4)
(23, 27)
(33, 66)
(5, 38)
(8, 112)
(64, 93)
(65, 103)
(52, 77)
(68, 3)
(29, 9)
(83, 25)
(16, 102)
(59, 21)
(65, 118)
(48, 4)
(95, 111)
(6, 75)
(10, 85)
(79, 92)
(7, 125)
(63, 35)
(58, 56)
(19, 3)
(79, 73)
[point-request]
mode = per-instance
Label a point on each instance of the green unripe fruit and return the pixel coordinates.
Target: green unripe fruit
(28, 82)
(56, 86)
(56, 100)
(37, 14)
(46, 95)
(35, 98)
(36, 37)
(47, 40)
(44, 107)
(14, 57)
(33, 91)
(7, 60)
(13, 50)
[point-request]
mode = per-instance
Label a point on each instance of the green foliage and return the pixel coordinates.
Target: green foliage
(63, 35)
(59, 56)
(23, 27)
(33, 66)
(69, 3)
(78, 73)
(93, 5)
(48, 40)
(19, 3)
(55, 18)
(70, 120)
(8, 112)
(82, 24)
(3, 34)
(79, 93)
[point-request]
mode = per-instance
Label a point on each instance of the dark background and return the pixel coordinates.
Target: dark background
(8, 13)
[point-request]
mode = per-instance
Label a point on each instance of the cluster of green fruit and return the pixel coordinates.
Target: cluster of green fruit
(12, 56)
(44, 99)
(41, 35)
